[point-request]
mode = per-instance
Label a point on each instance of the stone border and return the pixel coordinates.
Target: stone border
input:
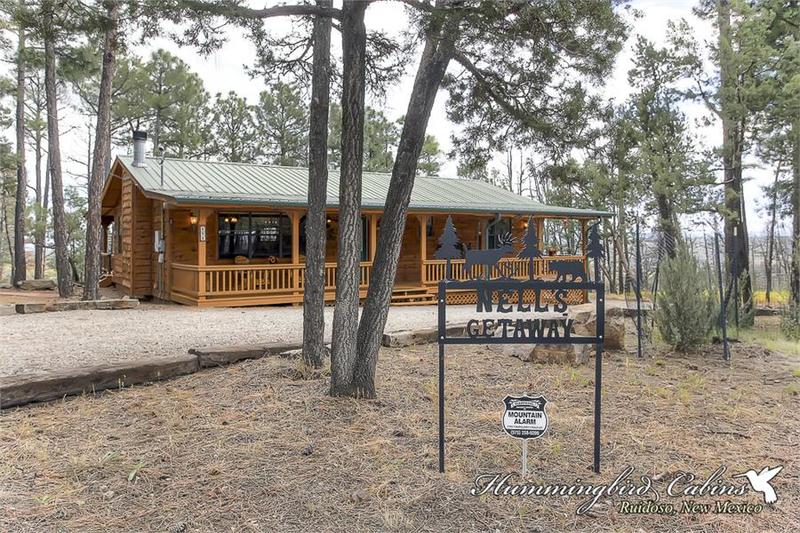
(77, 305)
(22, 389)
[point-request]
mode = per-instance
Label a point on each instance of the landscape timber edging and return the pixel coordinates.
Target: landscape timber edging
(27, 388)
(77, 305)
(21, 389)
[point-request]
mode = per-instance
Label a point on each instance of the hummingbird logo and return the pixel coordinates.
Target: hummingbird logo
(760, 482)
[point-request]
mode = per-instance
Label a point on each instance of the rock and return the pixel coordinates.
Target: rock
(562, 354)
(37, 285)
(398, 339)
(6, 310)
(6, 286)
(523, 352)
(586, 323)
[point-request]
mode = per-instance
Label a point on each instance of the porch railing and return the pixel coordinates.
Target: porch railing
(510, 267)
(219, 281)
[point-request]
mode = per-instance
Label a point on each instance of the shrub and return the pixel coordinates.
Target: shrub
(685, 312)
(790, 322)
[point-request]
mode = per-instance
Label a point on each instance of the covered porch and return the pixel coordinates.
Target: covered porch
(225, 257)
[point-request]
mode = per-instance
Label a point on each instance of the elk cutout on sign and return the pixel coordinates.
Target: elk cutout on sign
(489, 258)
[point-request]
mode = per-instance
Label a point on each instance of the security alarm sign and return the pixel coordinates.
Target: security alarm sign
(525, 416)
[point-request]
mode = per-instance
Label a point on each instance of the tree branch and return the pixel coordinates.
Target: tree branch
(482, 78)
(231, 9)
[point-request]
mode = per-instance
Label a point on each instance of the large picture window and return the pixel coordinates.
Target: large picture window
(255, 235)
(497, 230)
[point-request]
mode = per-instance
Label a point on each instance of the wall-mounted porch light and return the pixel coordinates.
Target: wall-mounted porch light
(193, 220)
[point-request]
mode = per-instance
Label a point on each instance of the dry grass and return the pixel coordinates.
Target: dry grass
(254, 447)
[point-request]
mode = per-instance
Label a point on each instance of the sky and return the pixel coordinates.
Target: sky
(224, 71)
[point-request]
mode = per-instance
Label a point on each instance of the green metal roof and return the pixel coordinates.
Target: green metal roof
(207, 182)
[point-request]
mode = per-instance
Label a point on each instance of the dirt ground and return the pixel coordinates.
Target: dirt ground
(50, 341)
(255, 447)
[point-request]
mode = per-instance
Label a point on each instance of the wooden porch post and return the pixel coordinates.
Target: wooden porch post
(423, 246)
(584, 238)
(373, 236)
(295, 219)
(202, 237)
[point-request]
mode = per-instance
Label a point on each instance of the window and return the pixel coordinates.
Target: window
(255, 235)
(497, 230)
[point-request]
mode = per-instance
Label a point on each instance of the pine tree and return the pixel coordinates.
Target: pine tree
(531, 249)
(448, 246)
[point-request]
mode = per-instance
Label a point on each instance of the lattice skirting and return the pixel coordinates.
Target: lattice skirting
(574, 297)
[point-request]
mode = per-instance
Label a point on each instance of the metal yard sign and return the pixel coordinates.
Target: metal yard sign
(525, 416)
(540, 304)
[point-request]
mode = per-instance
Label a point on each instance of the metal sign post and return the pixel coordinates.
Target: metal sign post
(507, 293)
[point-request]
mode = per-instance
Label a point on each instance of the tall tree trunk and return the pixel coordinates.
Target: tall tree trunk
(345, 315)
(439, 50)
(41, 214)
(733, 125)
(314, 281)
(20, 267)
(63, 268)
(7, 231)
(94, 226)
(773, 213)
(623, 245)
(667, 225)
(794, 274)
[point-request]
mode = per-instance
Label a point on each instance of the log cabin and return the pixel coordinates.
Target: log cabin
(232, 234)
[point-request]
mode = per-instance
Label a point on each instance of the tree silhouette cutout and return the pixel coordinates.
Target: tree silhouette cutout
(531, 248)
(448, 246)
(595, 248)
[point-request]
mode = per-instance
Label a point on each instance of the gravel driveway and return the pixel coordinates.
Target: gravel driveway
(46, 341)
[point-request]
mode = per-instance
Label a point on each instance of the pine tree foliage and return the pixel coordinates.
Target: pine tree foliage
(685, 312)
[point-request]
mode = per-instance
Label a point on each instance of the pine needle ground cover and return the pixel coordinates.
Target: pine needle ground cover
(255, 447)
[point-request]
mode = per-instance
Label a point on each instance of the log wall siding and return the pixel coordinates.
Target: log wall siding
(142, 245)
(123, 264)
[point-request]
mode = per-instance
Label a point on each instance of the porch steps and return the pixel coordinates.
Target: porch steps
(412, 296)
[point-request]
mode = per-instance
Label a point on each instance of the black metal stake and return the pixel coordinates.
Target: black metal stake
(735, 274)
(598, 361)
(638, 293)
(723, 318)
(442, 334)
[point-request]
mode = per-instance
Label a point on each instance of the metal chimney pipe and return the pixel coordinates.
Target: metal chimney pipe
(139, 141)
